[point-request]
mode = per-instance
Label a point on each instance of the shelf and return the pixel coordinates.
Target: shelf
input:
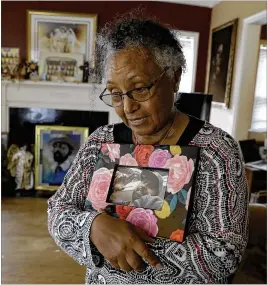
(49, 83)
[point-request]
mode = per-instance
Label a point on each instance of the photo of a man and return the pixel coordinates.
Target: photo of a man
(139, 187)
(62, 150)
(55, 150)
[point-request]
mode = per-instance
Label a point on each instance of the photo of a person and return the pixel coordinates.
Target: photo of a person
(62, 150)
(62, 38)
(221, 62)
(139, 187)
(55, 150)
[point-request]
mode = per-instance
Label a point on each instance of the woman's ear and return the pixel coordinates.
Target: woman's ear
(177, 79)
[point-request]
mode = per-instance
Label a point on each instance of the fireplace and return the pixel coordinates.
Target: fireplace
(27, 104)
(22, 121)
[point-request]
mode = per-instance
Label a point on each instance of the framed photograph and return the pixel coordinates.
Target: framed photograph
(10, 58)
(221, 63)
(141, 187)
(61, 66)
(55, 150)
(61, 33)
(149, 186)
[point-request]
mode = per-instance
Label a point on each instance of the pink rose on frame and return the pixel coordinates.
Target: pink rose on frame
(99, 188)
(112, 150)
(145, 220)
(127, 159)
(180, 173)
(158, 158)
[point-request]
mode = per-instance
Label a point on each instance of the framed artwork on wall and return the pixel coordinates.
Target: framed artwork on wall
(55, 150)
(221, 63)
(61, 33)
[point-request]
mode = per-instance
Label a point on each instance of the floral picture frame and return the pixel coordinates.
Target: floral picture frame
(170, 221)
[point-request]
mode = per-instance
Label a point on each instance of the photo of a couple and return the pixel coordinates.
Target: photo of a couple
(139, 187)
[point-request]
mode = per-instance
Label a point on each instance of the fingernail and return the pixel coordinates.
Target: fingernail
(159, 265)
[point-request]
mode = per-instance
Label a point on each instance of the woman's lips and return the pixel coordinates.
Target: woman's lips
(137, 122)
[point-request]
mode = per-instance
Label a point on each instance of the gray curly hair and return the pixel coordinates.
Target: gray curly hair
(134, 30)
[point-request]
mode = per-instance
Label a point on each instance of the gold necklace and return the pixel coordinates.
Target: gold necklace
(167, 134)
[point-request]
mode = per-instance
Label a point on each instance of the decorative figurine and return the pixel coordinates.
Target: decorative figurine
(20, 166)
(6, 73)
(85, 69)
(32, 70)
(20, 71)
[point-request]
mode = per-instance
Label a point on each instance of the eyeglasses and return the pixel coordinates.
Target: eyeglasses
(140, 94)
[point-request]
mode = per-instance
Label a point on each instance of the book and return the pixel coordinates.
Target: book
(149, 186)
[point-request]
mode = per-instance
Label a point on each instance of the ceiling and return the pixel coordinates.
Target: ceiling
(210, 3)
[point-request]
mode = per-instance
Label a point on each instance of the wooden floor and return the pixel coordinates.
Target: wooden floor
(29, 254)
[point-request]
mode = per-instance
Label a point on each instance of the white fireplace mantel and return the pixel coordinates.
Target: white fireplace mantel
(67, 96)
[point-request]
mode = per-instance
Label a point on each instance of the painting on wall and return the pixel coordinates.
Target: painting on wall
(61, 33)
(221, 63)
(55, 150)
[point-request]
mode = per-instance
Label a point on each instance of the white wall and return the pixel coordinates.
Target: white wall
(236, 119)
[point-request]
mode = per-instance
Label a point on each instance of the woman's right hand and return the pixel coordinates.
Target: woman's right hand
(121, 243)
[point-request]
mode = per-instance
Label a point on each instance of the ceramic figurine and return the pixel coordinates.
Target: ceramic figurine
(20, 166)
(6, 73)
(32, 70)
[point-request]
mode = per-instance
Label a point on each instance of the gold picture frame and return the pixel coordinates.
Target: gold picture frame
(55, 150)
(62, 33)
(221, 63)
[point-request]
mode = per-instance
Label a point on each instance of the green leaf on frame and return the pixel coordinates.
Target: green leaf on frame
(184, 221)
(182, 196)
(172, 201)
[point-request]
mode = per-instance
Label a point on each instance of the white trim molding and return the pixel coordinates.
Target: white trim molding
(246, 65)
(60, 96)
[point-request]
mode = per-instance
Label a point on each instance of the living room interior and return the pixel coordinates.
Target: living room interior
(44, 92)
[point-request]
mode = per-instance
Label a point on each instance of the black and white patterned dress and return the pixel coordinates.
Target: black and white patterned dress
(218, 225)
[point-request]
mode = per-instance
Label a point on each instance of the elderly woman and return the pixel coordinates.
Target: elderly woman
(142, 62)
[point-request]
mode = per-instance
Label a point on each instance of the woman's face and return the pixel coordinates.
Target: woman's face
(129, 69)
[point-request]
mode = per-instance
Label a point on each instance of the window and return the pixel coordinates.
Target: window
(189, 42)
(259, 120)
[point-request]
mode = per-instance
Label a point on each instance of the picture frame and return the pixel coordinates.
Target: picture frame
(61, 66)
(55, 150)
(10, 58)
(221, 63)
(61, 32)
(138, 183)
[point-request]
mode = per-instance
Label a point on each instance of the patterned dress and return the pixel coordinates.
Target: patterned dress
(218, 224)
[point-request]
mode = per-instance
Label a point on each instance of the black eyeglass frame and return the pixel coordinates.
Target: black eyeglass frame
(128, 93)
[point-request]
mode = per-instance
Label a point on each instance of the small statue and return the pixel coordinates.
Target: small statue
(20, 71)
(20, 166)
(5, 73)
(32, 70)
(85, 69)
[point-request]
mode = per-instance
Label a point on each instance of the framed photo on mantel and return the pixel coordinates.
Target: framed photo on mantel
(61, 33)
(221, 63)
(55, 150)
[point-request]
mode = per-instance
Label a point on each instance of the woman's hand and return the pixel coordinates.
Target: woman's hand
(121, 243)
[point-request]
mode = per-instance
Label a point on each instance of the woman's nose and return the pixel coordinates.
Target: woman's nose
(129, 105)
